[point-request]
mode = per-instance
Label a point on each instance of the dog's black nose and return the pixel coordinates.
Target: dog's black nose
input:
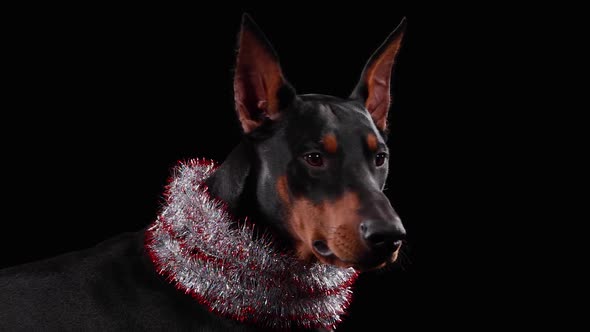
(379, 233)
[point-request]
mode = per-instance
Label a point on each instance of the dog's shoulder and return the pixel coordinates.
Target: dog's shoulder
(76, 284)
(112, 286)
(76, 266)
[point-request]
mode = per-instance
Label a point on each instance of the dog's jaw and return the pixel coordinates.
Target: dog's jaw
(309, 254)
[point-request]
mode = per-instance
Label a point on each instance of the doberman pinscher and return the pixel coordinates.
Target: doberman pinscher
(308, 180)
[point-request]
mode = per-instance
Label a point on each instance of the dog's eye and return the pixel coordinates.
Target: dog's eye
(380, 159)
(314, 159)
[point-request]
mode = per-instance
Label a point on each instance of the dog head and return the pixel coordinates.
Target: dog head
(322, 160)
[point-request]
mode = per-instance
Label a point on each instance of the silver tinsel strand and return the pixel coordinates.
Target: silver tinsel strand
(199, 247)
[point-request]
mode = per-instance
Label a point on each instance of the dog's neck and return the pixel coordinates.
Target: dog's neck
(217, 259)
(230, 179)
(235, 183)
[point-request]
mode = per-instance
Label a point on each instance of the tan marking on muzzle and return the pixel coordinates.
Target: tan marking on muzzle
(335, 222)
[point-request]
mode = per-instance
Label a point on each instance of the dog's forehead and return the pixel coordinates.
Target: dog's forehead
(322, 115)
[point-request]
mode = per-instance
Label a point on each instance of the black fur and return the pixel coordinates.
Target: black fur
(111, 287)
(114, 287)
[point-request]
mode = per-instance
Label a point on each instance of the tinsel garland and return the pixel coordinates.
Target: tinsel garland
(197, 245)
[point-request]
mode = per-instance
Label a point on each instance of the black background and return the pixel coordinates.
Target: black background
(103, 101)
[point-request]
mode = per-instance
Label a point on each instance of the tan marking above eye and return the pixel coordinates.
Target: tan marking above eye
(330, 143)
(372, 142)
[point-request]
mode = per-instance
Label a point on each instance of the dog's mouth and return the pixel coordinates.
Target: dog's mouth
(365, 262)
(322, 248)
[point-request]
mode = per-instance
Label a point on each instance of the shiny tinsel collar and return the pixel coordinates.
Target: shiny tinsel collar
(195, 243)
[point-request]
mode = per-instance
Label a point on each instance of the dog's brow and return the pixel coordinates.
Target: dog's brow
(372, 142)
(330, 143)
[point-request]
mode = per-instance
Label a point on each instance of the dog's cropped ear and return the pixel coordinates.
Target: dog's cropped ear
(374, 86)
(260, 90)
